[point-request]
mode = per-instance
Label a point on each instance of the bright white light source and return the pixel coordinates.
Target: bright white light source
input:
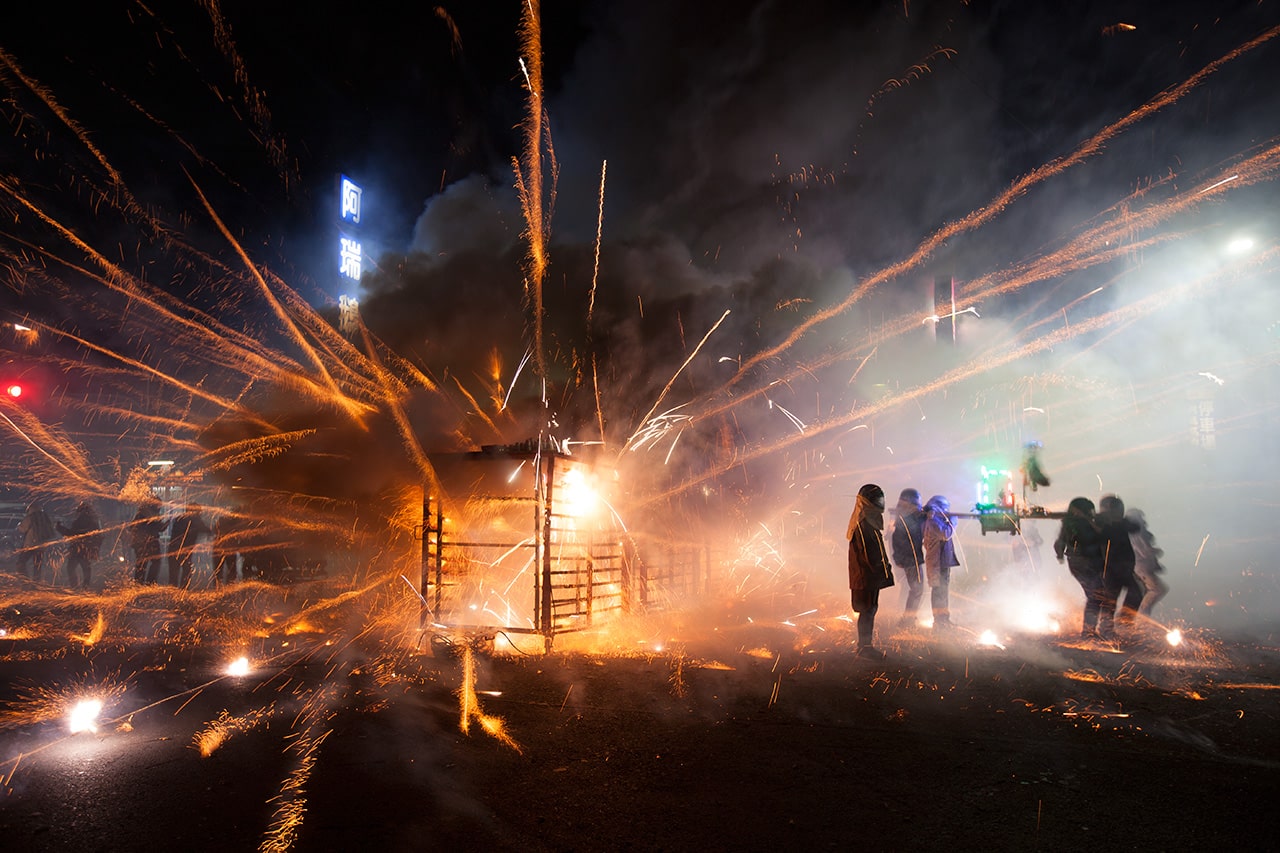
(1174, 637)
(84, 716)
(1240, 245)
(577, 495)
(239, 666)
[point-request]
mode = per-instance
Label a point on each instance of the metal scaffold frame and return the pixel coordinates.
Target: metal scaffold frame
(509, 546)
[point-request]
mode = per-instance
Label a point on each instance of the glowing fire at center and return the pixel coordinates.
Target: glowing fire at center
(84, 716)
(989, 638)
(1174, 637)
(239, 666)
(577, 495)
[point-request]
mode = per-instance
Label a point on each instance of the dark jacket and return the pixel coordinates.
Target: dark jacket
(1117, 549)
(145, 530)
(868, 559)
(908, 535)
(1079, 540)
(84, 532)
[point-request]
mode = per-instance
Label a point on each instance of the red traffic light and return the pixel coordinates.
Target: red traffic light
(14, 390)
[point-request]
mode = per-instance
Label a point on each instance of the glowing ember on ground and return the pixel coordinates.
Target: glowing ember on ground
(989, 638)
(239, 666)
(1174, 637)
(84, 716)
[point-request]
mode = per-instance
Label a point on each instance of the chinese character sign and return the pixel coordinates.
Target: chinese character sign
(350, 193)
(349, 258)
(348, 315)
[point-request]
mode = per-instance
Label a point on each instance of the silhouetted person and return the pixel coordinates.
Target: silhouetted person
(84, 538)
(907, 541)
(1147, 565)
(1080, 543)
(35, 532)
(869, 569)
(228, 533)
(185, 533)
(1119, 582)
(144, 537)
(939, 558)
(1032, 474)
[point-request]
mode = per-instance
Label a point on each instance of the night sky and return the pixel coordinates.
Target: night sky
(768, 159)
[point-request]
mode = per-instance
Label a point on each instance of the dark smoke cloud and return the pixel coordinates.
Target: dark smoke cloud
(765, 160)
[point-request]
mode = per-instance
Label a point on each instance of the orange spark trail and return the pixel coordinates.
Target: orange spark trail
(529, 175)
(83, 476)
(54, 107)
(977, 218)
(1127, 314)
(253, 99)
(354, 409)
(217, 335)
(1095, 246)
(409, 437)
(595, 270)
(1105, 242)
(193, 390)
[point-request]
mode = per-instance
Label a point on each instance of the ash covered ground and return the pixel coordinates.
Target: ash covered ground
(734, 727)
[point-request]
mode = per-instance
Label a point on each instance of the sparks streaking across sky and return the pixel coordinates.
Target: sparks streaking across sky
(900, 253)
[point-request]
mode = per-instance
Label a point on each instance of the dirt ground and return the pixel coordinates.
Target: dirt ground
(749, 737)
(940, 746)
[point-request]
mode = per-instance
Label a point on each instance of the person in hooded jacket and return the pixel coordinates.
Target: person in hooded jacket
(1147, 564)
(1118, 577)
(35, 532)
(85, 535)
(1079, 543)
(907, 543)
(869, 568)
(939, 558)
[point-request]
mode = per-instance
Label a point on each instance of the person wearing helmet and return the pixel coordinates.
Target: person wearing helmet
(144, 537)
(869, 568)
(1118, 577)
(1147, 565)
(35, 532)
(85, 536)
(908, 550)
(1080, 544)
(939, 558)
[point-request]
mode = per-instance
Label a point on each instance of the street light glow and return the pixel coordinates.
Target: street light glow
(1240, 245)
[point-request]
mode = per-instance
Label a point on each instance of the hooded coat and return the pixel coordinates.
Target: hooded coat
(36, 528)
(869, 566)
(908, 531)
(939, 544)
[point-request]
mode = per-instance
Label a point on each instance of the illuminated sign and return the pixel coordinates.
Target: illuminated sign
(350, 199)
(349, 258)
